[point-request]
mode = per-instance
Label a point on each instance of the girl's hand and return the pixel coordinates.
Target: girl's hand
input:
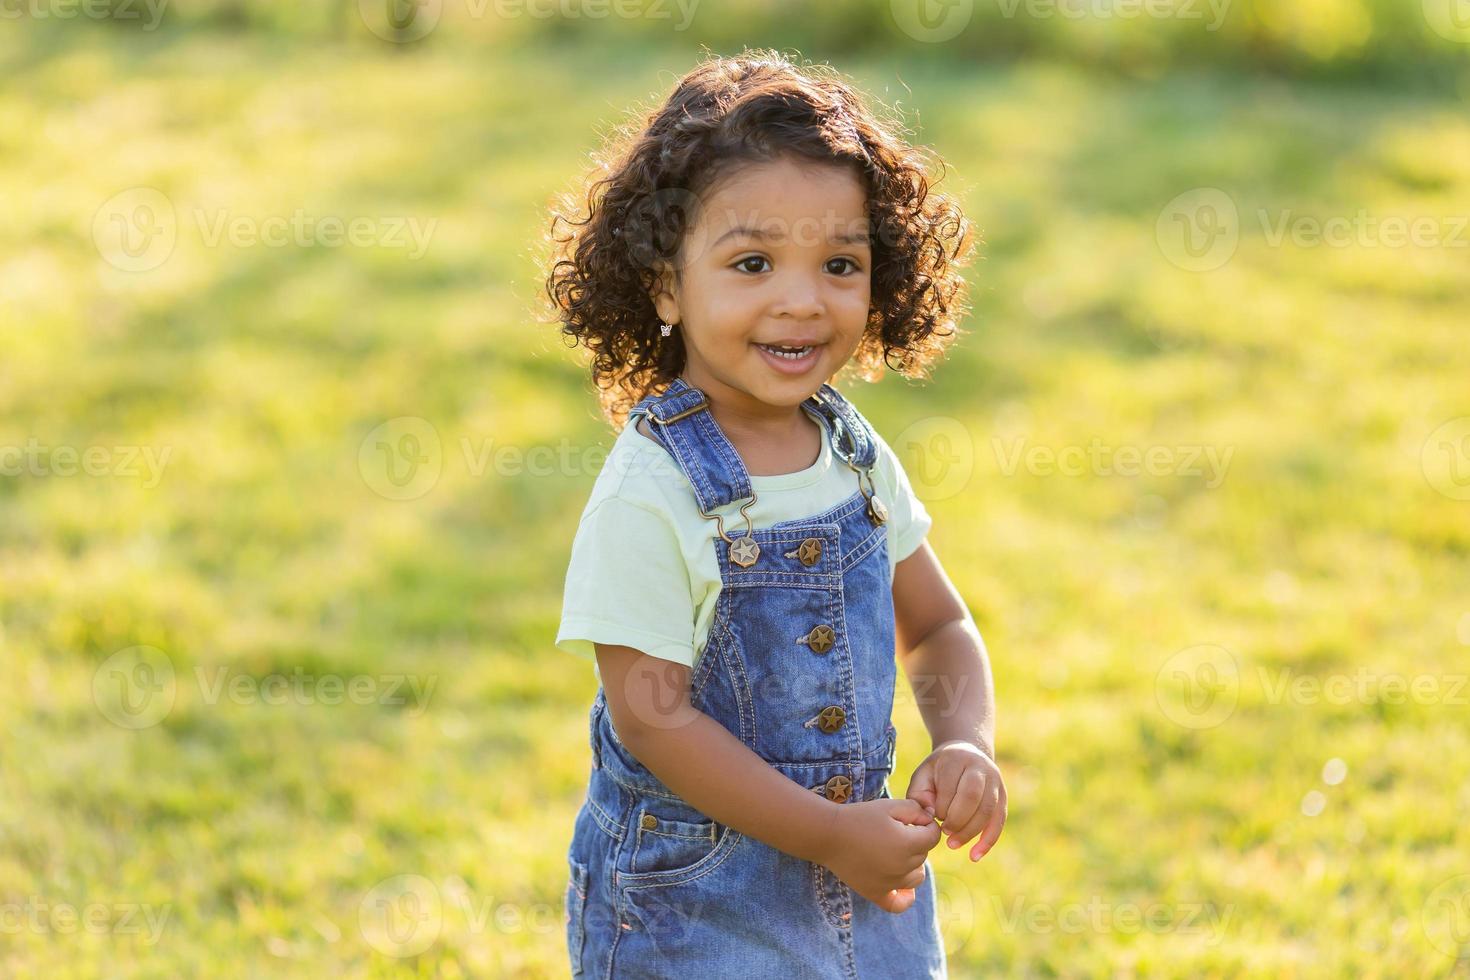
(961, 786)
(879, 848)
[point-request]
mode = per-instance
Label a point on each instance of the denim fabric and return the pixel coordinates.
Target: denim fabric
(683, 896)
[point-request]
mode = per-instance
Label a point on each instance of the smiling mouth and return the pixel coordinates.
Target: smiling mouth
(788, 353)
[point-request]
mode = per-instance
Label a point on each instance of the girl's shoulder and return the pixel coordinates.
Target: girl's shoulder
(639, 472)
(891, 480)
(642, 428)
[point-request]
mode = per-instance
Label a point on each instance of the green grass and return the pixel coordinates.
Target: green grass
(265, 831)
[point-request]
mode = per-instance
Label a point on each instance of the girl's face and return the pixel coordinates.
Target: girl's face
(778, 257)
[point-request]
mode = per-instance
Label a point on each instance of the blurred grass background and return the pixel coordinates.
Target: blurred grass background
(273, 545)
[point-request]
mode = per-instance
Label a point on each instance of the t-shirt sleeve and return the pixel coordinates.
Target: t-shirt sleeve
(627, 584)
(909, 519)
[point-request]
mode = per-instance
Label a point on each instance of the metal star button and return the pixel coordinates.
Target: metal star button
(831, 719)
(745, 551)
(839, 788)
(821, 638)
(810, 551)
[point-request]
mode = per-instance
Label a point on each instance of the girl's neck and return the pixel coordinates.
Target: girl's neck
(772, 440)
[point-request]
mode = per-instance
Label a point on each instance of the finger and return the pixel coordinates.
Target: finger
(920, 842)
(897, 900)
(919, 848)
(947, 785)
(992, 830)
(925, 834)
(921, 787)
(925, 799)
(983, 815)
(912, 813)
(994, 802)
(914, 878)
(965, 816)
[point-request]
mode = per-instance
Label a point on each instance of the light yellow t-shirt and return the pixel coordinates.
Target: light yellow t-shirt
(643, 570)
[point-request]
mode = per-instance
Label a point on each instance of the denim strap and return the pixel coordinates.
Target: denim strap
(683, 425)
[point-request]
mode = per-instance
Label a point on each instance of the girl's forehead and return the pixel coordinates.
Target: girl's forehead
(781, 203)
(785, 178)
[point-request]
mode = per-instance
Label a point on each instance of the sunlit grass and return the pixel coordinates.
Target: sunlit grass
(269, 548)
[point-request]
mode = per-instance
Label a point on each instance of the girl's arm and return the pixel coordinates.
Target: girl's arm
(703, 762)
(942, 653)
(878, 847)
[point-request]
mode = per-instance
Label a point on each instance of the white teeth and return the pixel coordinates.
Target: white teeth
(789, 354)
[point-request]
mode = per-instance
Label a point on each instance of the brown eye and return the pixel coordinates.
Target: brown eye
(855, 267)
(743, 264)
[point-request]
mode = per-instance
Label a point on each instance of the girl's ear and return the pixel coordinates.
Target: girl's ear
(665, 295)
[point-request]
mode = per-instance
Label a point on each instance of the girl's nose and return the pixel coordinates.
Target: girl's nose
(800, 302)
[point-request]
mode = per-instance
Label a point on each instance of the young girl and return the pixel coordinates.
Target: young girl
(751, 562)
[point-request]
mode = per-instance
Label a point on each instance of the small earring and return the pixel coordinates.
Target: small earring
(665, 328)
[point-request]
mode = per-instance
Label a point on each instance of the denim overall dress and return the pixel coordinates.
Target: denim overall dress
(800, 666)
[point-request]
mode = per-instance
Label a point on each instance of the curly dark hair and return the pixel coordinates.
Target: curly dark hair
(729, 111)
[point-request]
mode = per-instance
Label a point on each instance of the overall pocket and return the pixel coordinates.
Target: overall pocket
(670, 842)
(576, 904)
